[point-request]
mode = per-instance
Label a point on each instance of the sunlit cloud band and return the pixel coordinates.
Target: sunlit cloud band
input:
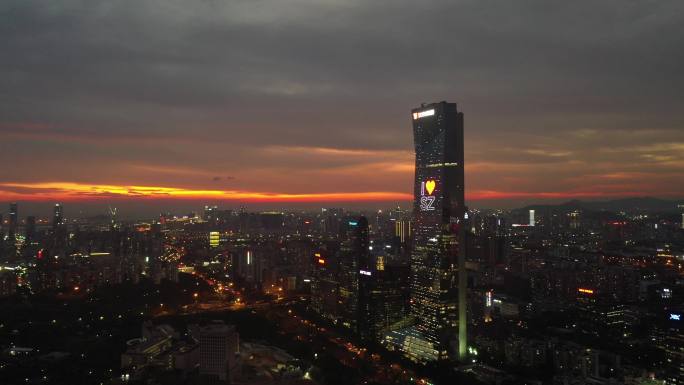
(79, 191)
(69, 191)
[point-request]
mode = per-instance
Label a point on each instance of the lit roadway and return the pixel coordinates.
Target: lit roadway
(322, 339)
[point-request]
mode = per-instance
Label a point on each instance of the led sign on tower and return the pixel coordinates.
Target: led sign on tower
(675, 317)
(422, 114)
(427, 200)
(585, 291)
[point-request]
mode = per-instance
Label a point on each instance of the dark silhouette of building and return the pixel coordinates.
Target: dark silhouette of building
(353, 256)
(13, 220)
(57, 217)
(30, 229)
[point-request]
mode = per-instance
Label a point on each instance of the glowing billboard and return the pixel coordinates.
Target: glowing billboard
(427, 200)
(422, 114)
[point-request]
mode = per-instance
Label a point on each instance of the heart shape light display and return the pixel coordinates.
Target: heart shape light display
(430, 186)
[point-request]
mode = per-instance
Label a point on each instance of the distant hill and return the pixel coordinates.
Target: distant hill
(642, 204)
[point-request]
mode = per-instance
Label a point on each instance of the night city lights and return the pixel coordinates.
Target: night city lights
(329, 192)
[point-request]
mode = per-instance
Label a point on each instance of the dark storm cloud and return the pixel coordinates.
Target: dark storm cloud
(179, 91)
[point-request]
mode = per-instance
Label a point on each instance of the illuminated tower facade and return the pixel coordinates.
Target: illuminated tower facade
(438, 278)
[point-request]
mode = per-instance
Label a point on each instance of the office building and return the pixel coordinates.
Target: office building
(211, 214)
(57, 217)
(383, 298)
(219, 346)
(438, 279)
(30, 228)
(325, 284)
(531, 222)
(673, 347)
(402, 231)
(353, 260)
(13, 220)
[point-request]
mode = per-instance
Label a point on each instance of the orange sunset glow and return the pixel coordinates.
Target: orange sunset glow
(66, 191)
(341, 192)
(76, 191)
(181, 118)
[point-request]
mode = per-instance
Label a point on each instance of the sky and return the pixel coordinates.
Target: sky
(289, 102)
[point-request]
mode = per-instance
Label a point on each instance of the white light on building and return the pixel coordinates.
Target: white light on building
(422, 114)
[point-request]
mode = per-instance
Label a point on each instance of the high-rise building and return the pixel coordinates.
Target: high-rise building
(57, 217)
(219, 345)
(532, 222)
(438, 277)
(214, 239)
(353, 258)
(59, 227)
(272, 221)
(30, 229)
(211, 214)
(13, 220)
(331, 220)
(247, 264)
(673, 347)
(113, 223)
(325, 284)
(382, 292)
(402, 230)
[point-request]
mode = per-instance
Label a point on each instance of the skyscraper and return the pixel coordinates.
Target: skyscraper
(13, 220)
(211, 214)
(381, 293)
(58, 216)
(438, 215)
(30, 229)
(353, 258)
(402, 230)
(532, 221)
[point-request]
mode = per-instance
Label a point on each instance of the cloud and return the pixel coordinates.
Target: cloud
(76, 191)
(314, 96)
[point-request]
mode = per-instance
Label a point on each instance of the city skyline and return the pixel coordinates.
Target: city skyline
(157, 105)
(341, 192)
